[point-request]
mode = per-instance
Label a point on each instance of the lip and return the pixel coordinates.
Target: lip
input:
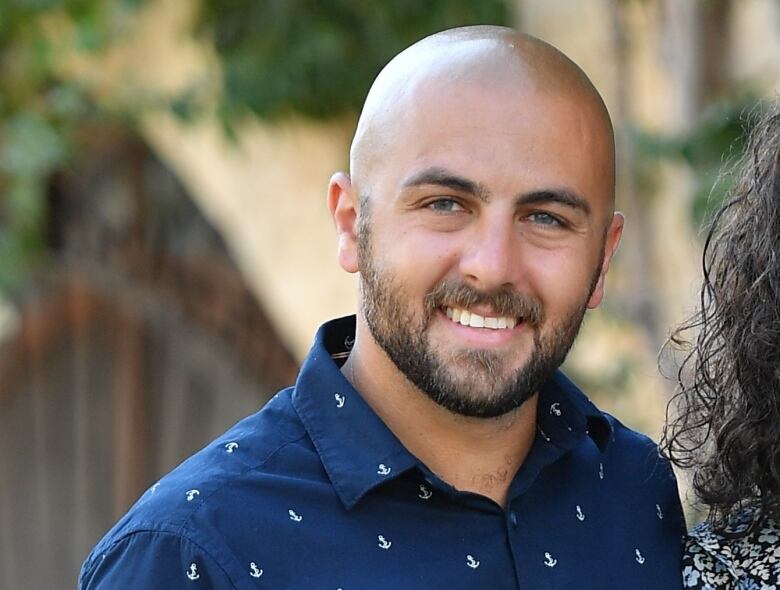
(480, 337)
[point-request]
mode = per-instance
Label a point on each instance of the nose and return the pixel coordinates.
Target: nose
(489, 260)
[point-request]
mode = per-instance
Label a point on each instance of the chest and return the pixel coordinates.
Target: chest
(410, 534)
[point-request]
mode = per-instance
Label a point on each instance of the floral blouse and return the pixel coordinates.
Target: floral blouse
(731, 560)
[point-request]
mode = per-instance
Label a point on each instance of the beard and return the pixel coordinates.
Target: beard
(470, 382)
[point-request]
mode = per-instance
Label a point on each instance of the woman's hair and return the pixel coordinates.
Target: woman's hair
(727, 424)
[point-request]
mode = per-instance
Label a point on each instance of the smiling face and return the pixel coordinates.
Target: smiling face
(484, 233)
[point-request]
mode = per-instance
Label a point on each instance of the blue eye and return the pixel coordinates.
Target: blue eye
(542, 218)
(445, 205)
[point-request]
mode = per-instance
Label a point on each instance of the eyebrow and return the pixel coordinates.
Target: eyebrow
(442, 177)
(562, 196)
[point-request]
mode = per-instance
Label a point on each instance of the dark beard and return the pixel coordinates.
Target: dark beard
(403, 338)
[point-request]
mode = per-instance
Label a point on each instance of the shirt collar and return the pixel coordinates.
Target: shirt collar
(565, 414)
(357, 449)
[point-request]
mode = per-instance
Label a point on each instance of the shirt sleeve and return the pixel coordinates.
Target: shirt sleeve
(153, 560)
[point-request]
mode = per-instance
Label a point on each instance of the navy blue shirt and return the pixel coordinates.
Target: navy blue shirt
(314, 491)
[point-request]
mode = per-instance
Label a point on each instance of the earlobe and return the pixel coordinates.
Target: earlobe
(611, 242)
(342, 204)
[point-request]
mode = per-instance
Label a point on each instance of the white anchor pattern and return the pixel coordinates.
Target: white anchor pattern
(640, 559)
(192, 573)
(579, 513)
(425, 493)
(294, 516)
(254, 571)
(340, 400)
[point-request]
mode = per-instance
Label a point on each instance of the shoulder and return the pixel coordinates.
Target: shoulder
(154, 559)
(183, 516)
(733, 557)
(638, 455)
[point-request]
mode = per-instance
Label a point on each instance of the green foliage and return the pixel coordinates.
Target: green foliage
(41, 113)
(715, 142)
(318, 57)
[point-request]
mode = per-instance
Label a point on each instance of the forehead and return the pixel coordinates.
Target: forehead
(507, 136)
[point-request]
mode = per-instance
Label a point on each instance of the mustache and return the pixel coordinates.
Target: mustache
(504, 301)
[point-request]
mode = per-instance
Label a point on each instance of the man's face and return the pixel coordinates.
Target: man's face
(482, 242)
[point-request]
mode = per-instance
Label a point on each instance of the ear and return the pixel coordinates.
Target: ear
(343, 206)
(611, 242)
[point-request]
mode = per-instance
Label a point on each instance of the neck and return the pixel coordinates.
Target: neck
(479, 455)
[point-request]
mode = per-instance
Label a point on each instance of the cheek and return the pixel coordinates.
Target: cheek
(560, 278)
(420, 256)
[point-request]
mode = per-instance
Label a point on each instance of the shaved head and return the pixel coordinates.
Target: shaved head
(497, 60)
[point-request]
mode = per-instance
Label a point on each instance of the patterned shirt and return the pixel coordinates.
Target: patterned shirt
(315, 492)
(729, 559)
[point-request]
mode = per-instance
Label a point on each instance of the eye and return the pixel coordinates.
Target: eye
(445, 205)
(542, 218)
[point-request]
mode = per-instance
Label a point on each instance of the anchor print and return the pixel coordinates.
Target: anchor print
(601, 470)
(425, 493)
(339, 400)
(192, 494)
(193, 574)
(383, 469)
(580, 514)
(231, 446)
(383, 543)
(549, 560)
(471, 562)
(659, 512)
(294, 516)
(349, 342)
(555, 409)
(639, 557)
(254, 571)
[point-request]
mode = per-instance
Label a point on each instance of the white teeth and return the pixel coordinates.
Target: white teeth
(467, 318)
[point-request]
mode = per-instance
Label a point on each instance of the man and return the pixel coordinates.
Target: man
(431, 442)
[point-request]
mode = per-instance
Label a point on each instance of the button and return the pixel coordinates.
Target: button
(513, 518)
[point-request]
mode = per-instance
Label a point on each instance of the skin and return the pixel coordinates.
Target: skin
(488, 159)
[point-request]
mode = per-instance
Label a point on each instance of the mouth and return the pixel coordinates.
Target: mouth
(464, 317)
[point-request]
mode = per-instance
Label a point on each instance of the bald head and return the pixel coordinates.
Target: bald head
(501, 62)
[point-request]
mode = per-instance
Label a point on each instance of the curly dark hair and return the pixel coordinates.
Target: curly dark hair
(726, 424)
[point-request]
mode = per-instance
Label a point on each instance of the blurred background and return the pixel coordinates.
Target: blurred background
(166, 254)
